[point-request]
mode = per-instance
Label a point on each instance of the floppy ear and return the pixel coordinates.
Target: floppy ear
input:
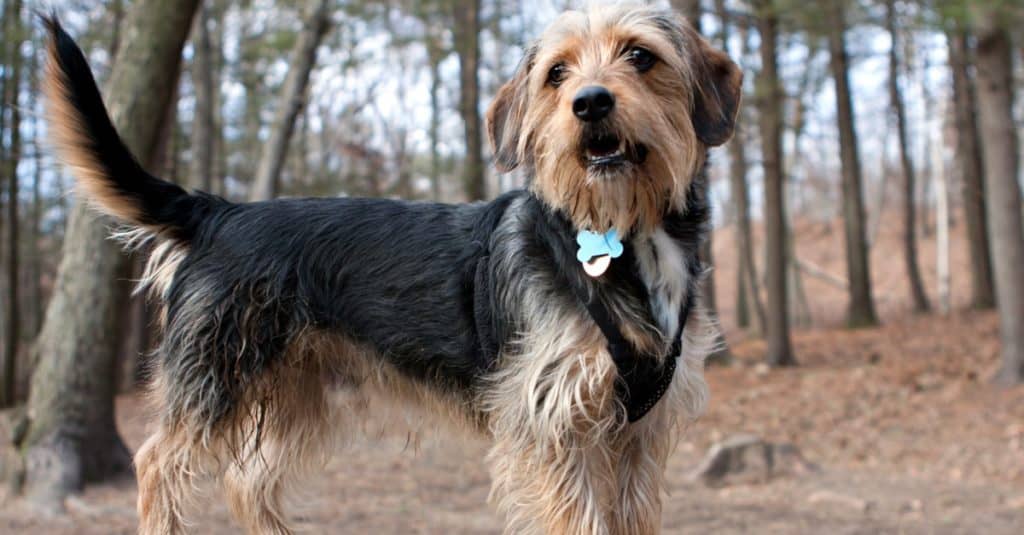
(505, 116)
(717, 95)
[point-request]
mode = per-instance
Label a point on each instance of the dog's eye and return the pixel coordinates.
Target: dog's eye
(556, 75)
(641, 58)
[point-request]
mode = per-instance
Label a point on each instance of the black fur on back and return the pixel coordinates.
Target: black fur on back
(396, 276)
(414, 281)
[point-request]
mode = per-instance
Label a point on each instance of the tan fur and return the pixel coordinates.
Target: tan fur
(652, 108)
(67, 135)
(563, 458)
(164, 256)
(324, 391)
(553, 412)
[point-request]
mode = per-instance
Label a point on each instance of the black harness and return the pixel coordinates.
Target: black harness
(643, 379)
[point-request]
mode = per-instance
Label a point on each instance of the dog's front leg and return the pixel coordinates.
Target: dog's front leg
(644, 453)
(554, 417)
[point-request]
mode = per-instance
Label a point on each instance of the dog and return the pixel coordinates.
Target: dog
(562, 323)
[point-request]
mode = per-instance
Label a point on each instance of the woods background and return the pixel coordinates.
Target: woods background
(868, 252)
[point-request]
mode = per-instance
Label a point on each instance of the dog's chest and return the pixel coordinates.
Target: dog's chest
(662, 268)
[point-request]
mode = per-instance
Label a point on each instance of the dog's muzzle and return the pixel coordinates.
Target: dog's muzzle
(603, 149)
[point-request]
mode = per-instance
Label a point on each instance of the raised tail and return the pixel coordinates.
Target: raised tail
(107, 174)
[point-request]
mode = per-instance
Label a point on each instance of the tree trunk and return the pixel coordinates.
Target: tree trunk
(862, 308)
(941, 213)
(290, 103)
(117, 17)
(467, 46)
(250, 74)
(435, 55)
(748, 292)
(769, 100)
(14, 29)
(994, 61)
(220, 162)
(201, 171)
(5, 7)
(909, 220)
(35, 236)
(972, 172)
(71, 438)
(691, 9)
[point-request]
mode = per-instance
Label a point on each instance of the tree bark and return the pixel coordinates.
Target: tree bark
(35, 236)
(14, 29)
(862, 307)
(117, 17)
(290, 103)
(71, 437)
(691, 9)
(201, 171)
(770, 103)
(467, 46)
(748, 292)
(972, 172)
(994, 61)
(435, 55)
(5, 6)
(220, 163)
(909, 220)
(250, 76)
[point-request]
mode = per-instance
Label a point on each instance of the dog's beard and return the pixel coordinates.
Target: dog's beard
(602, 189)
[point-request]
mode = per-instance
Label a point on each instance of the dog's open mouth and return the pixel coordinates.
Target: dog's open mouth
(609, 150)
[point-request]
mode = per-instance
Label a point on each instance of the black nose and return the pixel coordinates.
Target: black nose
(593, 103)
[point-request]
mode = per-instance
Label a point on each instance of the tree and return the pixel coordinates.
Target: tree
(994, 62)
(969, 164)
(70, 438)
(433, 37)
(862, 307)
(203, 124)
(250, 77)
(466, 30)
(12, 90)
(691, 9)
(748, 293)
(770, 104)
(907, 165)
(291, 102)
(35, 261)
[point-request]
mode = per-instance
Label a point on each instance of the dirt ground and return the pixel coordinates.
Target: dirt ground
(909, 435)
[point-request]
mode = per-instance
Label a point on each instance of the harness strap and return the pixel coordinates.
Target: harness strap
(643, 380)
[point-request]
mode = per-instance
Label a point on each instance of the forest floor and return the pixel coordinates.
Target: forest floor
(908, 435)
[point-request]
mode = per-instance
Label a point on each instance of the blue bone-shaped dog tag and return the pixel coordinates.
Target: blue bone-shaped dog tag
(593, 245)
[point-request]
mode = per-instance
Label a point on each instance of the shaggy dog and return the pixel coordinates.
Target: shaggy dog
(561, 322)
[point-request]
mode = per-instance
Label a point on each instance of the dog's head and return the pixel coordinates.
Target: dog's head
(613, 110)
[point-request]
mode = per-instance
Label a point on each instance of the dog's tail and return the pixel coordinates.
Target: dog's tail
(107, 174)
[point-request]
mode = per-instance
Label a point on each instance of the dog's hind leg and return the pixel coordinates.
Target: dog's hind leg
(169, 467)
(287, 437)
